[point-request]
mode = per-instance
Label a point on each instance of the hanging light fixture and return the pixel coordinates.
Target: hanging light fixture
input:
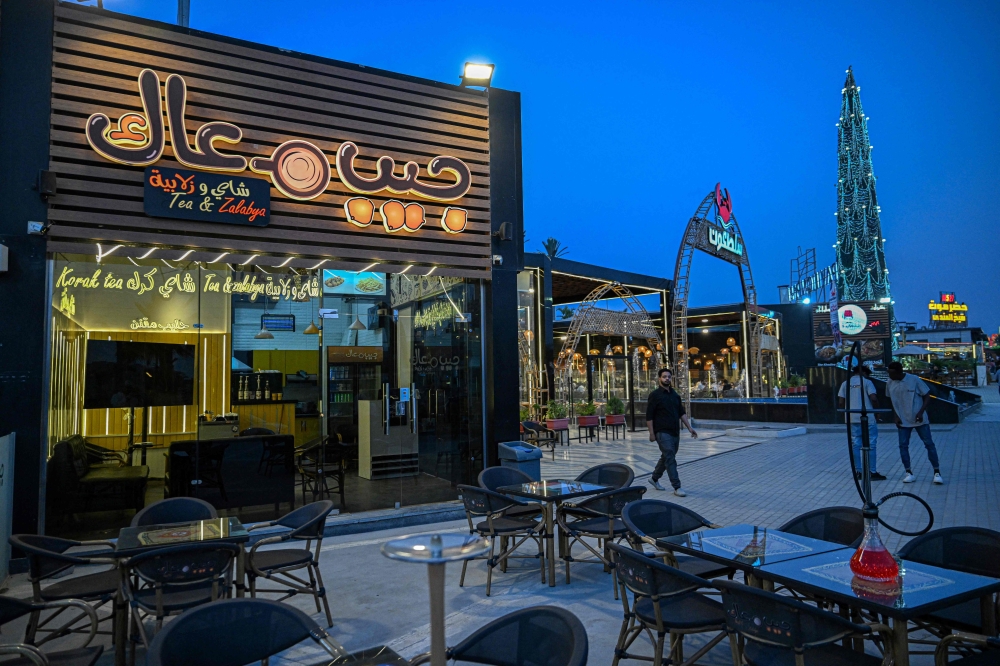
(312, 328)
(264, 334)
(730, 342)
(357, 325)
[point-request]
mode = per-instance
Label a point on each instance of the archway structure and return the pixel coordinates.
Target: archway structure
(713, 229)
(589, 318)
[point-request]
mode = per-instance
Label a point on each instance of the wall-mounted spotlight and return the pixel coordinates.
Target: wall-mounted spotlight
(477, 74)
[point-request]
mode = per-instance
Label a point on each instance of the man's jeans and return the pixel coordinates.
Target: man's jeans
(924, 432)
(668, 458)
(872, 443)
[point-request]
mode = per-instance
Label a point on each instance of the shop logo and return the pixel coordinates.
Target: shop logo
(297, 168)
(723, 240)
(852, 319)
(723, 205)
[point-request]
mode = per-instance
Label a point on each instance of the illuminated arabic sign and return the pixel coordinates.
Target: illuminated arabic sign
(723, 240)
(190, 195)
(298, 169)
(948, 311)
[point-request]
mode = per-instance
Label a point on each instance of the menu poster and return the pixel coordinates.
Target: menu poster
(349, 282)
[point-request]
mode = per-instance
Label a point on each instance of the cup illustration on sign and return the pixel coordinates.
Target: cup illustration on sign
(297, 168)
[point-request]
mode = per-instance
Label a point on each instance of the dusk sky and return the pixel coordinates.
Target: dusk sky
(656, 102)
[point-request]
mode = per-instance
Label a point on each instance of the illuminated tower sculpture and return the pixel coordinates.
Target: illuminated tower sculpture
(862, 274)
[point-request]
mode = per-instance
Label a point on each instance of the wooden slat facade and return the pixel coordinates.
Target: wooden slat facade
(272, 97)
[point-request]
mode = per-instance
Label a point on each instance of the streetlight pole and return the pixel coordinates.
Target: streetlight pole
(184, 13)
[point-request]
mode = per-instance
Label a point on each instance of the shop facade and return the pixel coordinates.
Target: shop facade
(213, 240)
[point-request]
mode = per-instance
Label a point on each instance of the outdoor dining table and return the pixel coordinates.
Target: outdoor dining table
(923, 589)
(551, 494)
(135, 540)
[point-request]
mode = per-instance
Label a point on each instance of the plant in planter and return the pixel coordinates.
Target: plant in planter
(556, 410)
(587, 409)
(525, 414)
(615, 405)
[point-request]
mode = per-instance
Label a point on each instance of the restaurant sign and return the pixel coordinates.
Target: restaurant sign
(948, 311)
(208, 197)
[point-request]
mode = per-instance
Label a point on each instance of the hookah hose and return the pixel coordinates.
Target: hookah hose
(853, 361)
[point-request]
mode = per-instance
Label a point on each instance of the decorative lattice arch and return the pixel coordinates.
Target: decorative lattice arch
(589, 318)
(696, 237)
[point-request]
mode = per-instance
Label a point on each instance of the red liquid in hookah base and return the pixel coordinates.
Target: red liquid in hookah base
(872, 561)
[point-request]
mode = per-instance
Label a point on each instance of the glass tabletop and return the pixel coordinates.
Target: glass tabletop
(919, 589)
(135, 539)
(555, 489)
(436, 548)
(746, 546)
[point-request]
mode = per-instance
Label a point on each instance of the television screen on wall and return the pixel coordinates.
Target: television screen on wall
(138, 374)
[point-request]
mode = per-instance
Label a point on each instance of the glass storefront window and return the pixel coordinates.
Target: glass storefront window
(529, 336)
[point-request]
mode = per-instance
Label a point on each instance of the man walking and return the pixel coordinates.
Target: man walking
(664, 411)
(910, 397)
(862, 388)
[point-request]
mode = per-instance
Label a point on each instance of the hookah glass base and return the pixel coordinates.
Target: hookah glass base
(873, 561)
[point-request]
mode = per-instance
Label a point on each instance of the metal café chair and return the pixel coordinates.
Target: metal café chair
(596, 517)
(494, 478)
(280, 565)
(769, 628)
(838, 524)
(11, 609)
(47, 559)
(974, 550)
(539, 635)
(486, 504)
(318, 463)
(235, 632)
(613, 475)
(537, 434)
(665, 601)
(648, 520)
(977, 650)
(175, 579)
(174, 510)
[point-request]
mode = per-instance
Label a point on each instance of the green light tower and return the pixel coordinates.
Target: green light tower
(861, 271)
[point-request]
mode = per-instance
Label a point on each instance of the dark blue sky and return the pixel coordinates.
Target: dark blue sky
(681, 95)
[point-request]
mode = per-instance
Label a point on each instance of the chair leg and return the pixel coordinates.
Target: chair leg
(658, 650)
(314, 586)
(32, 629)
(567, 557)
(321, 591)
(461, 581)
(541, 556)
(489, 566)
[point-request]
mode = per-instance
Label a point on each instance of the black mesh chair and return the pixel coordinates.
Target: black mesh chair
(838, 524)
(493, 478)
(319, 464)
(974, 550)
(11, 609)
(649, 520)
(977, 650)
(542, 635)
(235, 632)
(174, 510)
(498, 526)
(537, 434)
(596, 517)
(613, 475)
(174, 579)
(47, 559)
(776, 629)
(665, 601)
(280, 565)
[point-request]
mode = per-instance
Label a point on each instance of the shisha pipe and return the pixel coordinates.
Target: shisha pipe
(864, 486)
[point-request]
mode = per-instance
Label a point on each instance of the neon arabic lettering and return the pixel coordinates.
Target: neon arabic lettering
(170, 185)
(721, 240)
(204, 155)
(385, 179)
(112, 143)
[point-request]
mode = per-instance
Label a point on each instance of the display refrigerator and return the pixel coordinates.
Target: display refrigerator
(347, 383)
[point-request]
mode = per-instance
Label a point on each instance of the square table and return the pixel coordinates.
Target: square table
(746, 547)
(922, 589)
(135, 540)
(550, 494)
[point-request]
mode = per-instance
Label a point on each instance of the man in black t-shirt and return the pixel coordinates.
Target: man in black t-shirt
(664, 412)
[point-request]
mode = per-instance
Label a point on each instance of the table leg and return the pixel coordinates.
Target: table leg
(120, 627)
(987, 610)
(550, 554)
(435, 577)
(241, 572)
(900, 643)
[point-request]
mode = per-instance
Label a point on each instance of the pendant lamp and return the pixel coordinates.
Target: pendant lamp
(357, 325)
(264, 333)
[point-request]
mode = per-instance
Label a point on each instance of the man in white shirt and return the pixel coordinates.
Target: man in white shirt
(910, 396)
(871, 401)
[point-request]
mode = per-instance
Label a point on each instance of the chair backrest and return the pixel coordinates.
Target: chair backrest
(248, 432)
(838, 524)
(773, 619)
(492, 478)
(531, 425)
(307, 522)
(174, 510)
(657, 519)
(46, 554)
(974, 550)
(539, 635)
(648, 577)
(185, 564)
(231, 632)
(612, 502)
(615, 475)
(483, 502)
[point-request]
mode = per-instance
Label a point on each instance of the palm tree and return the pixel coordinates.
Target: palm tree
(554, 248)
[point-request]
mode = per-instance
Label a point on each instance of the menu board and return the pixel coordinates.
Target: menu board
(349, 282)
(868, 323)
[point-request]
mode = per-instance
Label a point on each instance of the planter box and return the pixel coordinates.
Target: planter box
(557, 424)
(614, 419)
(588, 421)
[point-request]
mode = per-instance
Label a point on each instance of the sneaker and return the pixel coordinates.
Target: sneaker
(680, 493)
(937, 478)
(656, 484)
(878, 477)
(909, 478)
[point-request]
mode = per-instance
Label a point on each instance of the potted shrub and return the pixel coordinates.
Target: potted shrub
(615, 406)
(586, 415)
(782, 387)
(556, 416)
